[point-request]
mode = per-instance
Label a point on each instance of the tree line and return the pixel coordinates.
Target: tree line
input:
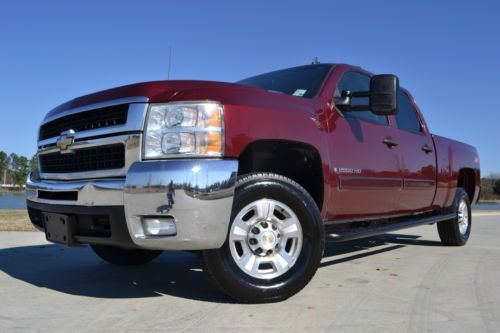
(490, 187)
(15, 168)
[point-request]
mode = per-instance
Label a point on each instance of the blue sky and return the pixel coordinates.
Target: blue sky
(447, 53)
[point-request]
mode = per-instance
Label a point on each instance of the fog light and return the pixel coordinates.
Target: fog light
(159, 226)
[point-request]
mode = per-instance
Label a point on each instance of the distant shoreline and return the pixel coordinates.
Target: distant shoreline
(12, 190)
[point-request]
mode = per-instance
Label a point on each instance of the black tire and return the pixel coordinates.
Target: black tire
(449, 231)
(124, 257)
(224, 272)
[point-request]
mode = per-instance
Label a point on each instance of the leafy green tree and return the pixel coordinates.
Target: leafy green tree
(34, 162)
(4, 164)
(20, 167)
(496, 186)
(13, 158)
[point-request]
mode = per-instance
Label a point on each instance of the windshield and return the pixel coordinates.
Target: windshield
(304, 81)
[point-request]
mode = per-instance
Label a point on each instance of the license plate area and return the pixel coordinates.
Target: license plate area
(59, 228)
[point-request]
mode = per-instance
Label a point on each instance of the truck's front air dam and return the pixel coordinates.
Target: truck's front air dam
(196, 193)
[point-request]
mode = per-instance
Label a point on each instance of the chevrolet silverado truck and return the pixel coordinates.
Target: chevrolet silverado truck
(253, 176)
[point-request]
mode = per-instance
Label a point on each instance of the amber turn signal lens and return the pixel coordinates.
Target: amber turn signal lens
(214, 120)
(209, 115)
(209, 143)
(214, 142)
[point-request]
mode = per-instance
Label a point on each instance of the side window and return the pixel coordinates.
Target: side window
(355, 81)
(406, 118)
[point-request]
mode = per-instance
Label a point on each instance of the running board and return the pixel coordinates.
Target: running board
(343, 236)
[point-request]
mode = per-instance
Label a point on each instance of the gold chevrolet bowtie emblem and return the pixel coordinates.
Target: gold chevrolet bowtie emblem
(65, 140)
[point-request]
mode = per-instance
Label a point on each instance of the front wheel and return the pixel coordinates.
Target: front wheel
(124, 257)
(275, 241)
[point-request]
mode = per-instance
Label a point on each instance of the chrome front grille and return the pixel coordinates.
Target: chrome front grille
(87, 159)
(84, 121)
(101, 146)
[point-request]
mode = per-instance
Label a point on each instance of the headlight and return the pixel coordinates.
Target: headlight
(187, 128)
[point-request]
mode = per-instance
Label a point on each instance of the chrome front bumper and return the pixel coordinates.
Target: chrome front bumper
(202, 193)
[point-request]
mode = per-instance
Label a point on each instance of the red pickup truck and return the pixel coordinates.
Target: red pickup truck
(254, 176)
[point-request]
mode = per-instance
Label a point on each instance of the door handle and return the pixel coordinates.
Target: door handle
(389, 142)
(426, 149)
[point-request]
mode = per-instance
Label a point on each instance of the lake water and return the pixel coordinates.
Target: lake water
(18, 201)
(12, 201)
(487, 206)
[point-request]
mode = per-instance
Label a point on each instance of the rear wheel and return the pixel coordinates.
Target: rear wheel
(124, 257)
(456, 232)
(275, 241)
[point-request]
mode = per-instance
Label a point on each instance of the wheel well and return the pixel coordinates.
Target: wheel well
(298, 161)
(466, 180)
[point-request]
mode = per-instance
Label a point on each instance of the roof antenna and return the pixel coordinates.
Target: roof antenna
(169, 58)
(315, 61)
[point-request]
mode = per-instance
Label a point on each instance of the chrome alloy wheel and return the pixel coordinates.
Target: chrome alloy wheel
(265, 239)
(463, 217)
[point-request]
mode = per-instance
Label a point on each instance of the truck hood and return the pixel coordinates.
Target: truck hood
(157, 91)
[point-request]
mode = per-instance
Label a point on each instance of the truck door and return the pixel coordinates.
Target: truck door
(418, 157)
(364, 158)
